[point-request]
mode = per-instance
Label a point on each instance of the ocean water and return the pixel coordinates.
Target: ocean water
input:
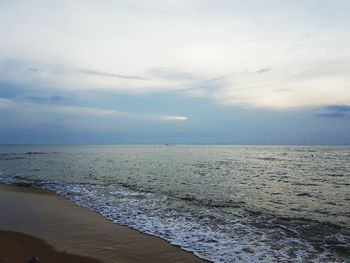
(224, 203)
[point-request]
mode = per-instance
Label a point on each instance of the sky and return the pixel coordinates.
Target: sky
(175, 71)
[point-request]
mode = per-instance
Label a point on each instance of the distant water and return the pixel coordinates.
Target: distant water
(224, 203)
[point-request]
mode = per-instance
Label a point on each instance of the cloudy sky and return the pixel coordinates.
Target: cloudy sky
(173, 71)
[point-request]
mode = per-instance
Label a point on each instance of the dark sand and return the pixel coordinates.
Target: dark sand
(18, 247)
(67, 228)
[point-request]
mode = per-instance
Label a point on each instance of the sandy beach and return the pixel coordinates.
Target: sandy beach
(39, 223)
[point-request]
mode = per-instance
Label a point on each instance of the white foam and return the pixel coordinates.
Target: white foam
(191, 227)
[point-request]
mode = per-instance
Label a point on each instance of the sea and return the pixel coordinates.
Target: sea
(223, 203)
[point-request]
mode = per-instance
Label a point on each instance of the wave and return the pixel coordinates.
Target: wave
(16, 156)
(213, 233)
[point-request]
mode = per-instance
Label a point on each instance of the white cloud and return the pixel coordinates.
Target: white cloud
(78, 111)
(28, 107)
(124, 45)
(167, 118)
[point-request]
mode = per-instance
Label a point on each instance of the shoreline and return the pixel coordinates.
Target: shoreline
(75, 231)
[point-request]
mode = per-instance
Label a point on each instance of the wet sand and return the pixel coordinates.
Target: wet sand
(57, 225)
(18, 247)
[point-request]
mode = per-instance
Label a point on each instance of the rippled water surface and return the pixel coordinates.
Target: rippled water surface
(225, 203)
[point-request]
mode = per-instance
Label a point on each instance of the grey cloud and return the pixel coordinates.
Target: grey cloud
(339, 108)
(206, 87)
(58, 98)
(36, 98)
(173, 75)
(253, 71)
(66, 70)
(263, 70)
(107, 74)
(49, 99)
(335, 115)
(34, 69)
(195, 81)
(211, 84)
(336, 112)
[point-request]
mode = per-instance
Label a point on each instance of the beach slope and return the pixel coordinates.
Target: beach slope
(57, 225)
